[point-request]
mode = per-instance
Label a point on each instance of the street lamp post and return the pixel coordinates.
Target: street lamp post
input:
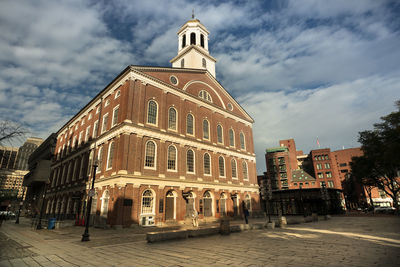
(39, 226)
(85, 236)
(20, 205)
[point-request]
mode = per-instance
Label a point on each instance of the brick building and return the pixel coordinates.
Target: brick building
(168, 140)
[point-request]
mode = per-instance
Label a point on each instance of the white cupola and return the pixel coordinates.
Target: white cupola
(193, 48)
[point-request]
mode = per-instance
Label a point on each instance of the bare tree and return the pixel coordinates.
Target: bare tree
(10, 131)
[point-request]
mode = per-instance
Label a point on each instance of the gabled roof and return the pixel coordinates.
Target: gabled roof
(152, 73)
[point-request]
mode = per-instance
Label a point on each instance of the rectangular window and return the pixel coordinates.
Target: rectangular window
(320, 175)
(327, 166)
(319, 166)
(328, 174)
(104, 125)
(95, 129)
(115, 116)
(330, 183)
(80, 138)
(87, 133)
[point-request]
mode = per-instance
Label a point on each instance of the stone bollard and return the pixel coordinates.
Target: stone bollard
(224, 227)
(282, 222)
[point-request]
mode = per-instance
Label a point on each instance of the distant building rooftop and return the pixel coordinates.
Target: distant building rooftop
(277, 149)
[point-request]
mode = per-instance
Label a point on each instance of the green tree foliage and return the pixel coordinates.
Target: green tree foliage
(380, 164)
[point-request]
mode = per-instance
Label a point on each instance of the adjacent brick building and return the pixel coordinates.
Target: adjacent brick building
(168, 140)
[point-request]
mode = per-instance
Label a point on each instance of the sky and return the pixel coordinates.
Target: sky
(303, 69)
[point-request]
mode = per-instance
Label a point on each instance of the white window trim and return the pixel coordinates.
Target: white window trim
(222, 134)
(244, 141)
(108, 155)
(107, 102)
(94, 133)
(87, 134)
(219, 174)
(202, 126)
(154, 202)
(234, 143)
(247, 170)
(98, 170)
(147, 113)
(113, 123)
(117, 94)
(102, 123)
(205, 174)
(176, 120)
(235, 178)
(155, 156)
(194, 162)
(176, 159)
(194, 125)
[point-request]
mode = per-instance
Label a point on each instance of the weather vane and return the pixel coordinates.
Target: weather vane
(193, 13)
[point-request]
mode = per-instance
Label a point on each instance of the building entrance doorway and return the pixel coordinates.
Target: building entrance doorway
(207, 204)
(170, 206)
(222, 203)
(189, 205)
(235, 205)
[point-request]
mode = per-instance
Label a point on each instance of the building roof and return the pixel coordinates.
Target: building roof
(154, 74)
(277, 149)
(301, 176)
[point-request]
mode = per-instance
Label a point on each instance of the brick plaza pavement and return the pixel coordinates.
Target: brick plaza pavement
(341, 241)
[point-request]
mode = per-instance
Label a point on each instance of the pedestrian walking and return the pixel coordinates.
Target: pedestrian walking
(195, 218)
(245, 212)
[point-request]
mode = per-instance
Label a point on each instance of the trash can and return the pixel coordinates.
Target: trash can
(224, 226)
(52, 223)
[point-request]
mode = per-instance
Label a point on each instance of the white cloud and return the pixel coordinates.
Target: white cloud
(335, 114)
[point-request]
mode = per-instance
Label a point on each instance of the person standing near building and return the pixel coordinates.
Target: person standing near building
(245, 212)
(195, 218)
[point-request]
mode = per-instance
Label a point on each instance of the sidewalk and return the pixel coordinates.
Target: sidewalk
(341, 241)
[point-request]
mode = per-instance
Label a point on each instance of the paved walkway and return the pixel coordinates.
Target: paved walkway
(341, 241)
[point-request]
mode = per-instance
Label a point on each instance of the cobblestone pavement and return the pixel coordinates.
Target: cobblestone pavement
(341, 241)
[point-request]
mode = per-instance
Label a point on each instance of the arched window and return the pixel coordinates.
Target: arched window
(231, 137)
(189, 124)
(219, 134)
(182, 63)
(100, 159)
(172, 118)
(152, 112)
(190, 160)
(147, 202)
(192, 38)
(242, 146)
(233, 165)
(171, 164)
(205, 95)
(150, 155)
(204, 63)
(221, 166)
(202, 40)
(110, 155)
(183, 40)
(207, 164)
(206, 129)
(104, 204)
(245, 172)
